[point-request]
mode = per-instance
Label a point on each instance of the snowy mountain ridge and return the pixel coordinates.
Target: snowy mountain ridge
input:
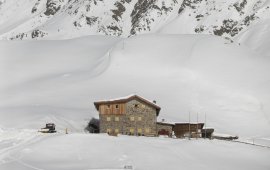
(64, 19)
(193, 77)
(181, 59)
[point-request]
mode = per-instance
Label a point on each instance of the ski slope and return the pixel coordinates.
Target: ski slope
(257, 38)
(88, 151)
(58, 81)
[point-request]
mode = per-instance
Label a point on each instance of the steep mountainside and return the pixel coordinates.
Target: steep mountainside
(63, 19)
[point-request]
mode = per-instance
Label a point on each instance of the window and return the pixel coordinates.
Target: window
(116, 106)
(139, 130)
(116, 130)
(136, 105)
(132, 118)
(108, 106)
(108, 130)
(147, 130)
(116, 118)
(139, 118)
(108, 119)
(143, 106)
(131, 130)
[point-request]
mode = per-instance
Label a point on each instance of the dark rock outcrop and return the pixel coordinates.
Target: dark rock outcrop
(51, 7)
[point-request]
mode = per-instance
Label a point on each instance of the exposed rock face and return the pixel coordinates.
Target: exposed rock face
(52, 7)
(232, 27)
(37, 33)
(20, 36)
(227, 27)
(127, 18)
(91, 20)
(188, 3)
(117, 13)
(140, 10)
(239, 6)
(34, 9)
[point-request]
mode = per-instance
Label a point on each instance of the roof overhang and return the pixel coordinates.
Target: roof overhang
(127, 99)
(164, 123)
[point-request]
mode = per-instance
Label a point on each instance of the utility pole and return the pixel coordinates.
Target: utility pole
(189, 125)
(205, 126)
(197, 125)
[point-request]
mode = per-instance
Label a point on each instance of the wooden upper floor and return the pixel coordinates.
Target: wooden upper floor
(119, 106)
(116, 108)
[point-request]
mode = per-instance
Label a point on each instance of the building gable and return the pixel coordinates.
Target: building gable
(101, 105)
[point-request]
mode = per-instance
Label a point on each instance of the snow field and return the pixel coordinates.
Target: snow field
(58, 81)
(88, 151)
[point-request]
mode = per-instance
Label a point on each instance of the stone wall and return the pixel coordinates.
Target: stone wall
(166, 127)
(139, 119)
(147, 125)
(114, 123)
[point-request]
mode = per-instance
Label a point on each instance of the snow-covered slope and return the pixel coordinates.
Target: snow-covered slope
(257, 37)
(62, 19)
(218, 17)
(50, 80)
(89, 151)
(59, 80)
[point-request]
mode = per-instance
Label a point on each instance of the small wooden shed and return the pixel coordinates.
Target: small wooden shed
(187, 129)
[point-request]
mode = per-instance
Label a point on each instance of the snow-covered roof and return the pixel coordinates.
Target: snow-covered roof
(223, 135)
(118, 98)
(126, 99)
(165, 121)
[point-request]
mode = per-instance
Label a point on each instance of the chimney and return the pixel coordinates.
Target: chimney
(154, 101)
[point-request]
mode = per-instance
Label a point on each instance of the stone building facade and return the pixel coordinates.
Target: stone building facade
(132, 115)
(165, 128)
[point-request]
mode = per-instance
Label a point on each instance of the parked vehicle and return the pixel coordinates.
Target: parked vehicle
(50, 128)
